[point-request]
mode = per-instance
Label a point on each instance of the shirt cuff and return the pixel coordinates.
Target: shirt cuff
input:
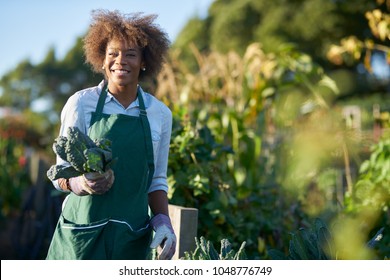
(57, 186)
(158, 184)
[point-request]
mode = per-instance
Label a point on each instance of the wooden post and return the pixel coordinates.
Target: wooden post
(185, 224)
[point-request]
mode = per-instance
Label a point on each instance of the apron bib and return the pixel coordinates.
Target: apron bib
(114, 225)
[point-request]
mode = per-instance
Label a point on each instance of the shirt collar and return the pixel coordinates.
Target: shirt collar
(135, 103)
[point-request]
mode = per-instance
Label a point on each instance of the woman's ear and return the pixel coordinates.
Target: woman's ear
(143, 67)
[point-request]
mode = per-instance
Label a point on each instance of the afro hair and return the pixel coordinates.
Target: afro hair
(136, 28)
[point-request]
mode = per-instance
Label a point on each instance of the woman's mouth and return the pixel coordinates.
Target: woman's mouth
(120, 71)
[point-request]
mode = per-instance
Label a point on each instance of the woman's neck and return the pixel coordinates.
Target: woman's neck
(124, 94)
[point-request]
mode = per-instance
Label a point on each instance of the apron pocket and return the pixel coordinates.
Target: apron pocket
(104, 239)
(132, 244)
(80, 241)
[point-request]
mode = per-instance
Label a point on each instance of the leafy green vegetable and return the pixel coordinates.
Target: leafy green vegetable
(205, 251)
(95, 159)
(75, 134)
(59, 146)
(75, 153)
(83, 154)
(62, 171)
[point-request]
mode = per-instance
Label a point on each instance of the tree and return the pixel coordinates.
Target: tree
(51, 80)
(311, 24)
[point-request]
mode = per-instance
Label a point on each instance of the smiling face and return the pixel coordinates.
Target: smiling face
(122, 65)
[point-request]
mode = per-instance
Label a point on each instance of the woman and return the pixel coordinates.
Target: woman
(106, 216)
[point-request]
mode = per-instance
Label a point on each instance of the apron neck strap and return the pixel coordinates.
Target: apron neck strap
(148, 136)
(141, 102)
(102, 100)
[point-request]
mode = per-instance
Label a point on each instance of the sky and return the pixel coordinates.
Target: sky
(29, 28)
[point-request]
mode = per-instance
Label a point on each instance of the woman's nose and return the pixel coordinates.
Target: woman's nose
(121, 59)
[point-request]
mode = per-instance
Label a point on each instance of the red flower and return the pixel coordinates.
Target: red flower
(22, 161)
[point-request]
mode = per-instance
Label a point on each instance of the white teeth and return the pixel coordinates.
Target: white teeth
(121, 71)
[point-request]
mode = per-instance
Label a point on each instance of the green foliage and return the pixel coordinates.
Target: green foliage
(233, 25)
(370, 197)
(83, 154)
(319, 243)
(205, 250)
(365, 214)
(202, 182)
(308, 244)
(196, 34)
(229, 148)
(373, 187)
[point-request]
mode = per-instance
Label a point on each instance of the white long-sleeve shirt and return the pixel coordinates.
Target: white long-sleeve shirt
(78, 111)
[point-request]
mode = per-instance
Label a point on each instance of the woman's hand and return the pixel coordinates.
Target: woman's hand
(92, 183)
(164, 236)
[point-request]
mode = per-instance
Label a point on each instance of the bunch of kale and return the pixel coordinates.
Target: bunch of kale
(82, 153)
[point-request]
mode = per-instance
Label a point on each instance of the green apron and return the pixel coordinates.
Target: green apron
(114, 225)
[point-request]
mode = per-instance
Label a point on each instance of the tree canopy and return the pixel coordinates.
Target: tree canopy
(310, 24)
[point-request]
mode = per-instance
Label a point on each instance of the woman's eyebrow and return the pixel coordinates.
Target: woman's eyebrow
(124, 50)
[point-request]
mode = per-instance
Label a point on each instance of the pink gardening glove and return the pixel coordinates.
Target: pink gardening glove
(164, 236)
(92, 183)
